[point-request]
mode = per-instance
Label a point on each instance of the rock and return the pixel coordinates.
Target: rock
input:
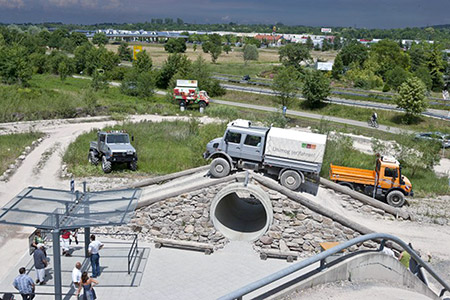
(277, 209)
(266, 240)
(189, 229)
(22, 157)
(136, 228)
(274, 234)
(301, 216)
(307, 247)
(27, 149)
(318, 217)
(308, 236)
(12, 166)
(292, 245)
(298, 241)
(283, 246)
(327, 221)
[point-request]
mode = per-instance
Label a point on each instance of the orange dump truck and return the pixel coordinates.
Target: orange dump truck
(385, 182)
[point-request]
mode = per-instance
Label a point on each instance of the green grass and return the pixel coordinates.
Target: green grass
(240, 69)
(388, 118)
(49, 98)
(12, 146)
(162, 148)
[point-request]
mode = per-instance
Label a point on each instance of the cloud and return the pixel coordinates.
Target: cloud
(11, 3)
(91, 4)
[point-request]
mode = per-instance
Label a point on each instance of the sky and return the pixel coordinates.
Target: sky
(355, 13)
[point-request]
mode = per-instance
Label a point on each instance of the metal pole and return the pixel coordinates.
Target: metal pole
(57, 261)
(87, 230)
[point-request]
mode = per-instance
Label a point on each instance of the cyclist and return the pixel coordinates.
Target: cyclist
(374, 117)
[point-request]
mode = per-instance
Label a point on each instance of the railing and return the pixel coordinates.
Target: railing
(131, 256)
(239, 293)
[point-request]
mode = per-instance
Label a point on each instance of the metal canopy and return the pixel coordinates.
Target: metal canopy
(60, 209)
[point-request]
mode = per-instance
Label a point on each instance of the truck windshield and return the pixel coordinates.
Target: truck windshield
(117, 139)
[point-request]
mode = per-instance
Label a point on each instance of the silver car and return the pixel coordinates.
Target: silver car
(442, 138)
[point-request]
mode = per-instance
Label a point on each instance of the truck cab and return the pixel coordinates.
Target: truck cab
(389, 176)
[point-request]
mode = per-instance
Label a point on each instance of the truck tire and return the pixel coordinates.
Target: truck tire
(182, 106)
(106, 165)
(395, 199)
(132, 165)
(347, 184)
(202, 106)
(291, 179)
(93, 159)
(219, 168)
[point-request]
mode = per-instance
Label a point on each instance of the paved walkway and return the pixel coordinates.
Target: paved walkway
(164, 273)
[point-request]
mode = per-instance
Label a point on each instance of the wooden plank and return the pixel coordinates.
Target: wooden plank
(328, 245)
(290, 256)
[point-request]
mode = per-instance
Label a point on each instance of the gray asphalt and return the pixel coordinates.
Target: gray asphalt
(435, 113)
(313, 116)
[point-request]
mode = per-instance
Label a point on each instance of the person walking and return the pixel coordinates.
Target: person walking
(94, 248)
(76, 275)
(87, 284)
(388, 249)
(65, 238)
(25, 285)
(40, 262)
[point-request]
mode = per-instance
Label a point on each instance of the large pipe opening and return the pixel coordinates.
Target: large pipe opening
(241, 212)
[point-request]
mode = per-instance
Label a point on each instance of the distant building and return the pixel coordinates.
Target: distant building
(324, 66)
(268, 38)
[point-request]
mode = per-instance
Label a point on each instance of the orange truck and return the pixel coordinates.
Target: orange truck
(385, 182)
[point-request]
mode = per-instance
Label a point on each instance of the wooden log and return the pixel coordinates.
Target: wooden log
(190, 245)
(290, 256)
(396, 211)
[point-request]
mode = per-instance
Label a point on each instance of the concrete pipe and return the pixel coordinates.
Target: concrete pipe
(242, 213)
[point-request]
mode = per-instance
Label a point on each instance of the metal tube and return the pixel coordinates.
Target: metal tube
(57, 261)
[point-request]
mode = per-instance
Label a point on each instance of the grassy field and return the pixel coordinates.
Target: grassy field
(12, 145)
(49, 98)
(388, 118)
(162, 148)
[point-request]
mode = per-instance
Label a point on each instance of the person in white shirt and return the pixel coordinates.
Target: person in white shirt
(76, 276)
(387, 249)
(94, 248)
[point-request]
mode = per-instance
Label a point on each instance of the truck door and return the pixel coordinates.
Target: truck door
(101, 142)
(252, 147)
(390, 176)
(233, 143)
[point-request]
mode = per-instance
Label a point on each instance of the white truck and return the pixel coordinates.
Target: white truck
(294, 157)
(187, 93)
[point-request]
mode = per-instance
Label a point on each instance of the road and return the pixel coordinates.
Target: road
(435, 113)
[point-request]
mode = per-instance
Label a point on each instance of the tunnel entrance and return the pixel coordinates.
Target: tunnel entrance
(242, 212)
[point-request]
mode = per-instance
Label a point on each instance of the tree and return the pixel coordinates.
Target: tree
(100, 39)
(175, 45)
(143, 62)
(175, 63)
(78, 38)
(125, 53)
(423, 74)
(57, 37)
(411, 97)
(199, 71)
(293, 55)
(99, 80)
(387, 54)
(250, 52)
(354, 52)
(286, 84)
(15, 65)
(226, 48)
(436, 66)
(213, 46)
(63, 71)
(326, 45)
(309, 43)
(316, 88)
(338, 67)
(396, 76)
(140, 84)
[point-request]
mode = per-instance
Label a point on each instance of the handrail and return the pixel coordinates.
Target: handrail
(133, 249)
(237, 294)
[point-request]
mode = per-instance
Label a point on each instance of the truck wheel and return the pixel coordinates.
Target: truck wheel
(291, 180)
(132, 166)
(395, 198)
(106, 165)
(202, 106)
(93, 159)
(182, 106)
(219, 168)
(347, 184)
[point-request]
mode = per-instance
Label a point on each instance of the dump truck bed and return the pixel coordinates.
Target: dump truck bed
(354, 175)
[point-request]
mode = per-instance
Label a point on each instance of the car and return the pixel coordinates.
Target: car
(442, 138)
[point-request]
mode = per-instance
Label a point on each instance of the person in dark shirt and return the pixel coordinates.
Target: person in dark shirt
(40, 262)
